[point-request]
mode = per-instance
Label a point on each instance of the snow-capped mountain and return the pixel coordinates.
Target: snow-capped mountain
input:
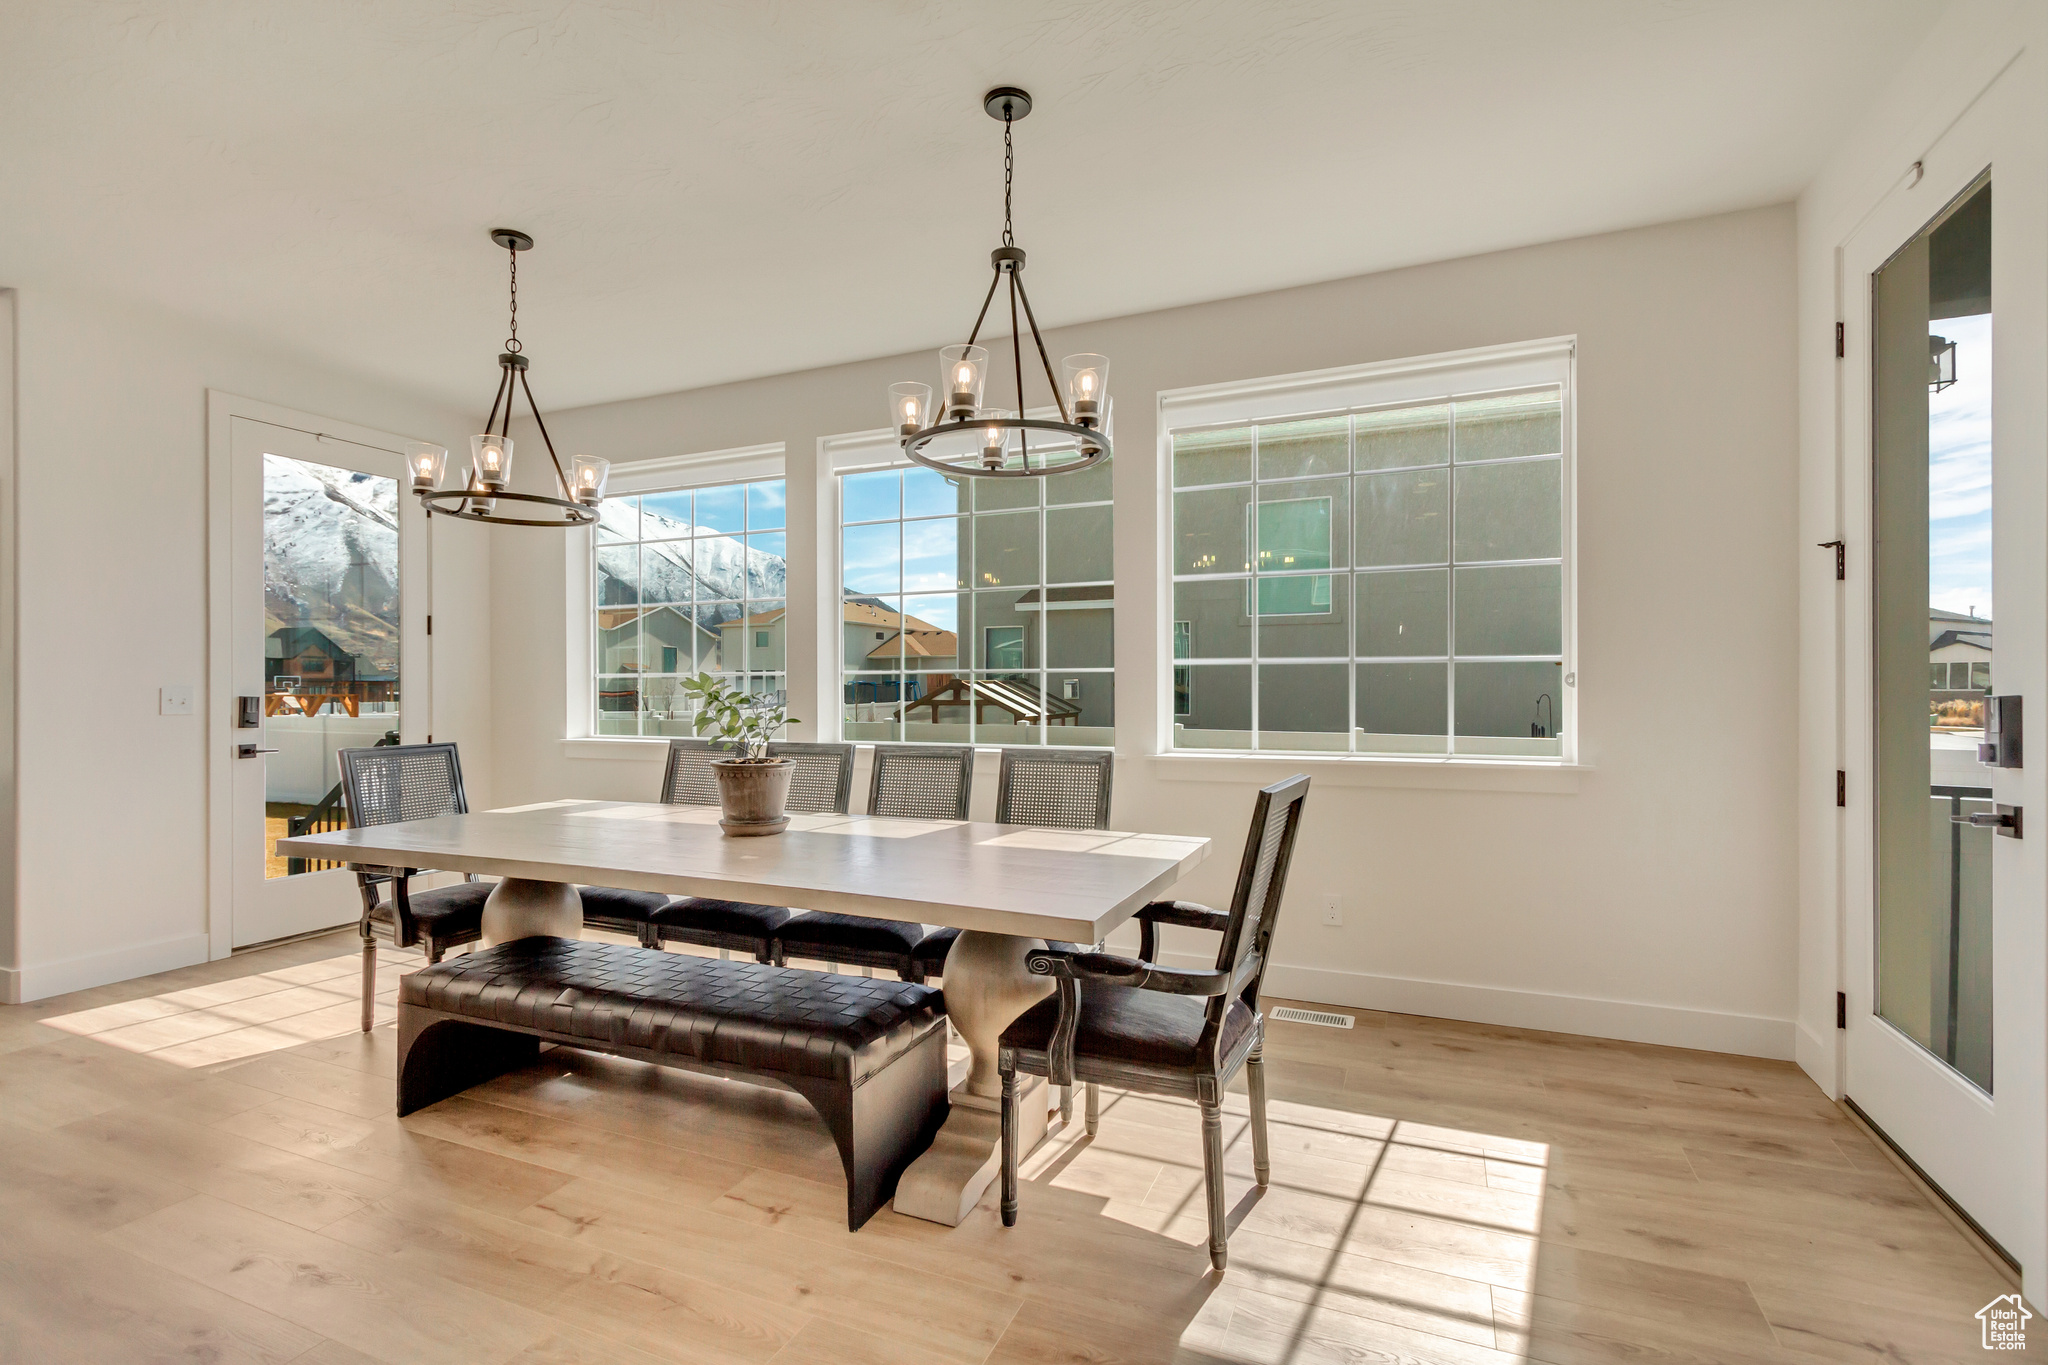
(330, 560)
(330, 557)
(711, 567)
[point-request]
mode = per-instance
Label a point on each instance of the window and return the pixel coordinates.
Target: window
(977, 610)
(1383, 573)
(687, 580)
(1005, 648)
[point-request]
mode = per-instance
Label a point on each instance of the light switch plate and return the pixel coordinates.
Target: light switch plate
(175, 700)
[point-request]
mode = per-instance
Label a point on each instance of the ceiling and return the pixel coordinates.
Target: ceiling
(723, 190)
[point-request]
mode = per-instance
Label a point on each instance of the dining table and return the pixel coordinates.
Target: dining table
(1008, 889)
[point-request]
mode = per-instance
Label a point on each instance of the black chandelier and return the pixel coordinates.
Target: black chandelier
(477, 496)
(963, 437)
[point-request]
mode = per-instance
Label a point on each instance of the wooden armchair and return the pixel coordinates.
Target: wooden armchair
(1133, 1024)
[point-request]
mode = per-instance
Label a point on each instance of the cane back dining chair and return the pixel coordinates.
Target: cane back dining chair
(1131, 1023)
(910, 781)
(382, 786)
(820, 784)
(1049, 788)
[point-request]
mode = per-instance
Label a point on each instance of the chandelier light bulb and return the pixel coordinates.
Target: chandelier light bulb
(908, 404)
(1087, 385)
(491, 459)
(587, 478)
(994, 438)
(426, 461)
(966, 372)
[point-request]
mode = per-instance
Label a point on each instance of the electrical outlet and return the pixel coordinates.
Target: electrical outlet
(175, 700)
(1333, 909)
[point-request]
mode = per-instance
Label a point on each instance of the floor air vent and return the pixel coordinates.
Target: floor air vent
(1295, 1016)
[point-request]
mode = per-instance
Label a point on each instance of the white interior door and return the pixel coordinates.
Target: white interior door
(324, 558)
(1942, 463)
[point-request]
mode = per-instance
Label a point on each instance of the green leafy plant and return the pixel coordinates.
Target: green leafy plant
(745, 721)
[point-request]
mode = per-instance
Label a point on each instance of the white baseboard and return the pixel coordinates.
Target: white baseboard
(39, 981)
(1627, 1020)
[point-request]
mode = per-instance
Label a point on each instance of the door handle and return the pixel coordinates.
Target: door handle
(250, 751)
(2004, 819)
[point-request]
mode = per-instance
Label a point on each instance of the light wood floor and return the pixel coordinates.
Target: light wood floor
(203, 1166)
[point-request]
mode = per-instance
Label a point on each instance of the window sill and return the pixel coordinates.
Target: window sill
(621, 747)
(1441, 774)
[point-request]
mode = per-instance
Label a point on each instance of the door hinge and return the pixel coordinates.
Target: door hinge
(1840, 547)
(1841, 1009)
(1841, 342)
(430, 624)
(1841, 788)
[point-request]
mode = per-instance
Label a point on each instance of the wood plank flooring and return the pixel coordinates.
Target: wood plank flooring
(203, 1166)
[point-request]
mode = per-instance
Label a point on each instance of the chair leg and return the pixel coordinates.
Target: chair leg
(1255, 1082)
(369, 981)
(1066, 1105)
(1212, 1170)
(1094, 1111)
(1009, 1149)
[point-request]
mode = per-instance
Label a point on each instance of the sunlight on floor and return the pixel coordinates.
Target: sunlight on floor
(246, 1016)
(1416, 1227)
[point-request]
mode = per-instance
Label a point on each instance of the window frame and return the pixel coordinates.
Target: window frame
(736, 465)
(1341, 392)
(870, 451)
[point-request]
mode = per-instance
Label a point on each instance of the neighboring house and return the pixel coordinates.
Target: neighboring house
(872, 630)
(316, 662)
(658, 640)
(1958, 651)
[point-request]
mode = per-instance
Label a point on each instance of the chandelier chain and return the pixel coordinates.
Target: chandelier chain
(512, 342)
(1009, 166)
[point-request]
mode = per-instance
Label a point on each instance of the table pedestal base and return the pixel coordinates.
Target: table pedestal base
(945, 1184)
(521, 909)
(987, 987)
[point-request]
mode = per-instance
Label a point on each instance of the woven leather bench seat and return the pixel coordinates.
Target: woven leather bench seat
(869, 1054)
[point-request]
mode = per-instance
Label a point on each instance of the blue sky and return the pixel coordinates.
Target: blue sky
(885, 557)
(1959, 473)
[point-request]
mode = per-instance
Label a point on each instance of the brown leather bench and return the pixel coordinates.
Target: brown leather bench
(869, 1054)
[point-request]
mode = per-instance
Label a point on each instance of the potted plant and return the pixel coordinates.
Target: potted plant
(752, 787)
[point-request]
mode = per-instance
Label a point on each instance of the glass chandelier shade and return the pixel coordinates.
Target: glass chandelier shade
(587, 475)
(425, 462)
(910, 405)
(490, 460)
(490, 451)
(961, 433)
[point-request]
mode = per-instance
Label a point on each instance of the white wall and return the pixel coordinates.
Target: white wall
(111, 877)
(1649, 896)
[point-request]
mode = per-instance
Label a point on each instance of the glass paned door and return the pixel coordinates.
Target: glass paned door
(325, 653)
(330, 638)
(1931, 340)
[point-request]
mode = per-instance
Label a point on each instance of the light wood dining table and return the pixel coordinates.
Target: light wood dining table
(1008, 888)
